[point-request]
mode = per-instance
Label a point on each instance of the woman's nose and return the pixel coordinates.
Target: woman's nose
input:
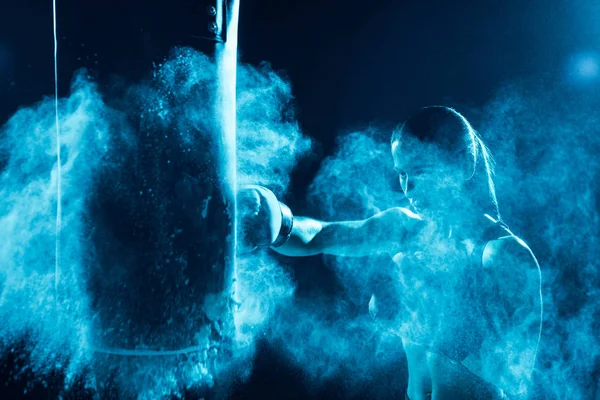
(404, 183)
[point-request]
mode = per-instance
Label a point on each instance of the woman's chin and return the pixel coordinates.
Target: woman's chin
(419, 206)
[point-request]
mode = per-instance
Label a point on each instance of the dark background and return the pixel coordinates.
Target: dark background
(349, 62)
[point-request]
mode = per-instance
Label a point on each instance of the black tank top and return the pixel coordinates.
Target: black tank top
(452, 321)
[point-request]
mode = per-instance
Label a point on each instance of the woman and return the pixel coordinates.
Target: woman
(461, 290)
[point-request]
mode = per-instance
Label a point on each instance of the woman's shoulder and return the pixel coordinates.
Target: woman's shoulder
(508, 250)
(401, 212)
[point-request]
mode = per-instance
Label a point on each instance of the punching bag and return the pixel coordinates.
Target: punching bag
(160, 226)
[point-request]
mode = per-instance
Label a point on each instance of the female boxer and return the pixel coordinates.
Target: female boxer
(461, 290)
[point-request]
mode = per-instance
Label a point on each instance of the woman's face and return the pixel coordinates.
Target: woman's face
(429, 178)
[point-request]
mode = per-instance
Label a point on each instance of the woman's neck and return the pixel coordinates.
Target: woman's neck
(465, 228)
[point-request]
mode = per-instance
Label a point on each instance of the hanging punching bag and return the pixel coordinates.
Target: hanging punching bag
(161, 217)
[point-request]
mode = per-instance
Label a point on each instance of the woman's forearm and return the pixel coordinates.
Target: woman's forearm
(384, 232)
(303, 240)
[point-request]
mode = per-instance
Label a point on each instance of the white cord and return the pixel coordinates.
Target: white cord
(58, 160)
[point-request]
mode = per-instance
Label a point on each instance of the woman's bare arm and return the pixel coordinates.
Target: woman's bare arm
(384, 232)
(514, 279)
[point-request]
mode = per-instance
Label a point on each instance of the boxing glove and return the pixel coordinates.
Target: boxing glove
(263, 220)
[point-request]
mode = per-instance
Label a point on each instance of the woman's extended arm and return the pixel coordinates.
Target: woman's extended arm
(267, 222)
(384, 232)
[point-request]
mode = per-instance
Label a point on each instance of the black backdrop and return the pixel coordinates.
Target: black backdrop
(349, 62)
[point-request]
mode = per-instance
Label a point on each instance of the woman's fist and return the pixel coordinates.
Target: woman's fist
(258, 217)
